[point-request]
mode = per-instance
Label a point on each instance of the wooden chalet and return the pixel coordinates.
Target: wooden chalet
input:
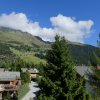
(9, 83)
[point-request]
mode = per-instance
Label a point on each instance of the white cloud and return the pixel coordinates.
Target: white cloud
(65, 26)
(71, 29)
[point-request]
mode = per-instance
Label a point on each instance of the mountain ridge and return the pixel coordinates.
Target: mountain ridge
(30, 45)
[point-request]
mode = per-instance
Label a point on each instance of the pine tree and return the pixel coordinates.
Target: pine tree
(60, 80)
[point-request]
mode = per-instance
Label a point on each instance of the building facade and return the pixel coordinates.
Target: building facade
(9, 83)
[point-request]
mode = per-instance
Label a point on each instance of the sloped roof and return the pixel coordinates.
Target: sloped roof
(7, 76)
(83, 71)
(33, 70)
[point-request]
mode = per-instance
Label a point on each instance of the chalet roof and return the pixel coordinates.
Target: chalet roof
(84, 70)
(7, 76)
(31, 70)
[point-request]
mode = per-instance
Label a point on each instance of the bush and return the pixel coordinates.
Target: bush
(25, 77)
(23, 91)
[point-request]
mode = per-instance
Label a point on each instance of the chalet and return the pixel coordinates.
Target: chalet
(9, 83)
(33, 72)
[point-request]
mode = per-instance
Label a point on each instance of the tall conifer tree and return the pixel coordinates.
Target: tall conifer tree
(60, 80)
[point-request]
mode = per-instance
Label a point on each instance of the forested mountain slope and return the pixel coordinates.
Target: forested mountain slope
(32, 48)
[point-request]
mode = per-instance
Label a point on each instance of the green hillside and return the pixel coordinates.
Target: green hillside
(32, 49)
(83, 54)
(11, 35)
(14, 43)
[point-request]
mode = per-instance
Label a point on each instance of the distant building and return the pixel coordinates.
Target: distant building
(9, 82)
(84, 71)
(33, 72)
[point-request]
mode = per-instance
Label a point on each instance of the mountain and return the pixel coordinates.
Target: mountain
(21, 44)
(84, 54)
(11, 35)
(32, 49)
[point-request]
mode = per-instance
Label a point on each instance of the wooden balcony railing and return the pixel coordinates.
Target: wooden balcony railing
(8, 87)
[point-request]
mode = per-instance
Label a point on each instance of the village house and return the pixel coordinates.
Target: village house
(33, 72)
(9, 83)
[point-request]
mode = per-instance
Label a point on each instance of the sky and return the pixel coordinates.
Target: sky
(77, 20)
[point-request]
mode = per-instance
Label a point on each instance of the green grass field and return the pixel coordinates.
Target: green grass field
(23, 91)
(28, 57)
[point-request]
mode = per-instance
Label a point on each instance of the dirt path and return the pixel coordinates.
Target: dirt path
(33, 89)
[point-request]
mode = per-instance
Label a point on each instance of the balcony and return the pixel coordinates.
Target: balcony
(8, 87)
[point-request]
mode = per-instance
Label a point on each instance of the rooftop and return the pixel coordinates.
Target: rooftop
(31, 70)
(7, 76)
